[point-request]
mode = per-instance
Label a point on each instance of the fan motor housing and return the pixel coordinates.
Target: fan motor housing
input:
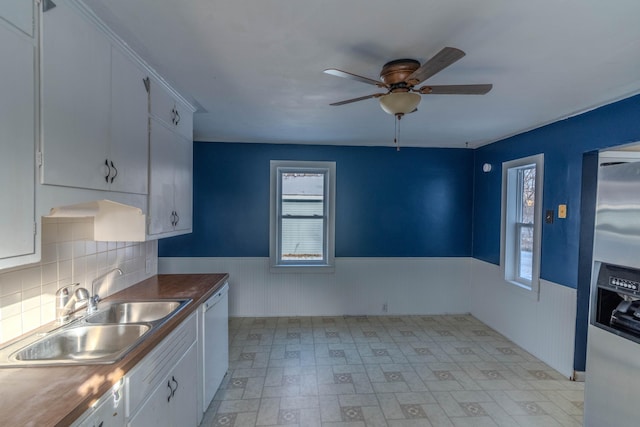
(397, 71)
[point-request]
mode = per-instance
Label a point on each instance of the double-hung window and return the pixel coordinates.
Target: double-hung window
(521, 221)
(302, 214)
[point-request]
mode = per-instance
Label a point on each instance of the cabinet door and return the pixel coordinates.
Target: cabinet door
(183, 180)
(155, 411)
(76, 94)
(161, 179)
(163, 106)
(108, 412)
(184, 125)
(19, 13)
(129, 147)
(184, 405)
(17, 144)
(173, 113)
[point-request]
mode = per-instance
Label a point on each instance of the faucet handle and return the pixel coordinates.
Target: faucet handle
(63, 295)
(66, 290)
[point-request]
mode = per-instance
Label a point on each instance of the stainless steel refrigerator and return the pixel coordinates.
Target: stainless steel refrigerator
(612, 387)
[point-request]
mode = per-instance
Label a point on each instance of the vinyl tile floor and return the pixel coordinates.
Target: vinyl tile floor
(438, 371)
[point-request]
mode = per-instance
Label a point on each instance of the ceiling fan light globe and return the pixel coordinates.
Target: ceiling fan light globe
(399, 102)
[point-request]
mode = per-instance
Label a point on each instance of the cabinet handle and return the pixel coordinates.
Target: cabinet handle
(106, 177)
(177, 117)
(173, 218)
(170, 391)
(114, 168)
(174, 390)
(177, 219)
(173, 115)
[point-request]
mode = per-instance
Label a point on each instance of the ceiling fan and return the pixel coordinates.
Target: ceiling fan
(401, 77)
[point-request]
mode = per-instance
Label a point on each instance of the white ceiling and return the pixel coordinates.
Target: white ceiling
(254, 67)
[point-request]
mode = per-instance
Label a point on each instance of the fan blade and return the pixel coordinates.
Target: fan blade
(351, 76)
(455, 89)
(439, 62)
(362, 98)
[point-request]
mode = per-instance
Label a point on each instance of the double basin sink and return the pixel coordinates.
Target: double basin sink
(103, 337)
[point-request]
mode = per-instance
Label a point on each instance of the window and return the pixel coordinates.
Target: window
(521, 221)
(302, 215)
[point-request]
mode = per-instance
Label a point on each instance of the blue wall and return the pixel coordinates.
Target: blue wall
(566, 146)
(411, 203)
(416, 202)
(563, 144)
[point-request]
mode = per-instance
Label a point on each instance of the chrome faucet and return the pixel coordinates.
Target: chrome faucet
(66, 301)
(92, 305)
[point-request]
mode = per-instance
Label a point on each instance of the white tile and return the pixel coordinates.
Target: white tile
(31, 319)
(10, 283)
(31, 299)
(31, 278)
(79, 248)
(49, 231)
(11, 305)
(65, 250)
(10, 327)
(49, 252)
(65, 231)
(49, 273)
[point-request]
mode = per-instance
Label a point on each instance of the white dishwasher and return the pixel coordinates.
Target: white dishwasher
(214, 342)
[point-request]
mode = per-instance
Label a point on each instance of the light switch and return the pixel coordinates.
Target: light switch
(548, 217)
(562, 211)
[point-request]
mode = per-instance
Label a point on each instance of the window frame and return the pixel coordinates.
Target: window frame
(277, 264)
(511, 224)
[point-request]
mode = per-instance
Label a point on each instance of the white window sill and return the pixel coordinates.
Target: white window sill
(314, 268)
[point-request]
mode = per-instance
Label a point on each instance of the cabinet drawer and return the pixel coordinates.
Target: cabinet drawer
(157, 364)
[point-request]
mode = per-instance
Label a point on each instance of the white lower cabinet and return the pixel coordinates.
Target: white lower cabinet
(162, 388)
(108, 411)
(173, 402)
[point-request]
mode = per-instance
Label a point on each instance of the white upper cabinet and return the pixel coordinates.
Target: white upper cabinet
(172, 112)
(170, 187)
(94, 108)
(76, 94)
(129, 148)
(19, 13)
(18, 106)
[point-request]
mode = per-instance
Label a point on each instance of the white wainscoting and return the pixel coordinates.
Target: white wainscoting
(359, 286)
(544, 327)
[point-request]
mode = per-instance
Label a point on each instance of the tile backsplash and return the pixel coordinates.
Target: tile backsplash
(27, 293)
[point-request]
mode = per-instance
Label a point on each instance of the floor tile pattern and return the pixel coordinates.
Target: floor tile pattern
(358, 371)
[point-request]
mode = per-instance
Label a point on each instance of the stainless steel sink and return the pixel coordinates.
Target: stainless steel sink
(136, 312)
(83, 343)
(101, 338)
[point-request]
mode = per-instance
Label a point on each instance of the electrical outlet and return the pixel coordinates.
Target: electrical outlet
(562, 211)
(385, 307)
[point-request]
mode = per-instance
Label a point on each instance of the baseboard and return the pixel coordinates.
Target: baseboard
(578, 376)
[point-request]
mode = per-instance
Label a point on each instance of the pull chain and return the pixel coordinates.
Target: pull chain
(396, 139)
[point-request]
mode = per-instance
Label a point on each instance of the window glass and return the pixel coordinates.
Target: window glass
(525, 218)
(302, 214)
(521, 213)
(303, 219)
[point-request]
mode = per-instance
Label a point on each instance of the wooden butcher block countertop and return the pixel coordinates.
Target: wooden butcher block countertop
(57, 396)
